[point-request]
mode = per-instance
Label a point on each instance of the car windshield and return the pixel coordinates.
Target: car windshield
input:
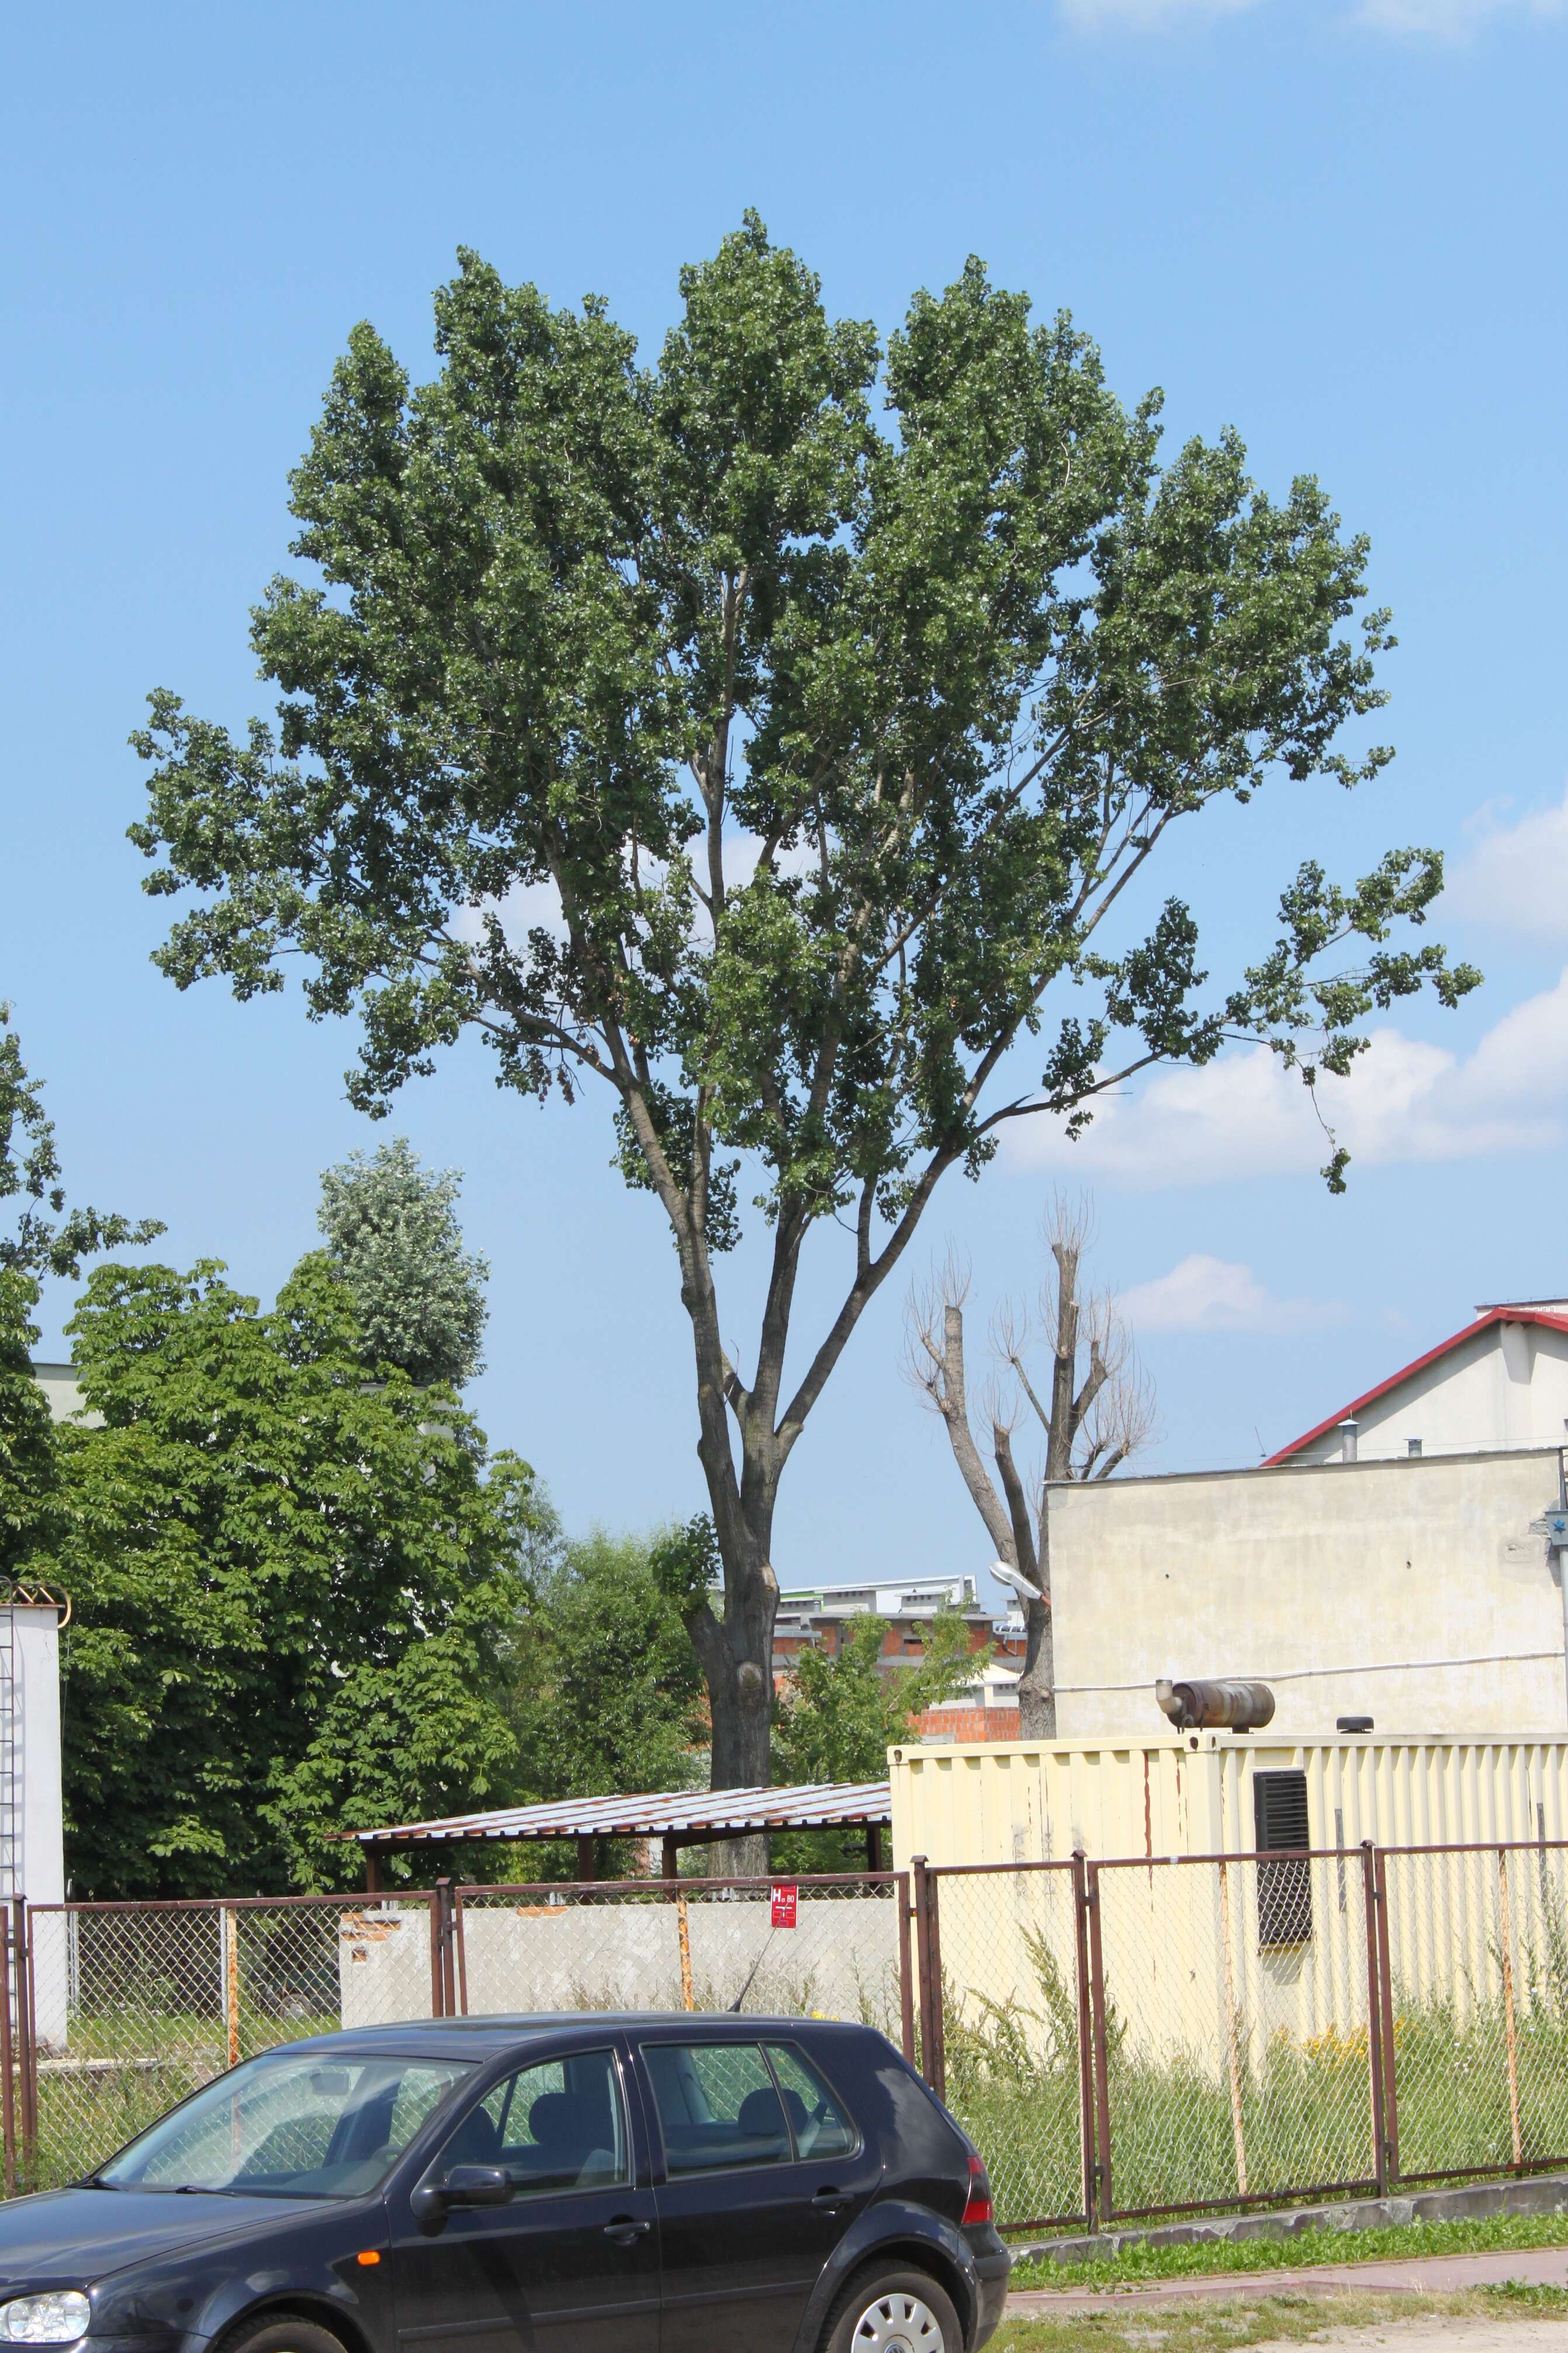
(289, 2126)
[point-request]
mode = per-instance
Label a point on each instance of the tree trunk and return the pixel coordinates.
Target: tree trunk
(1037, 1683)
(736, 1653)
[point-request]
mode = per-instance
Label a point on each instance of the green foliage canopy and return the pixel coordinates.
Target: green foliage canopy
(607, 1694)
(683, 730)
(294, 1590)
(394, 1239)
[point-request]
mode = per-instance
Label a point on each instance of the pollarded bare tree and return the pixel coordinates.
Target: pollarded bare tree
(1097, 1409)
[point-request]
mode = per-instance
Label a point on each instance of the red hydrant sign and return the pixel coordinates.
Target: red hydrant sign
(786, 1897)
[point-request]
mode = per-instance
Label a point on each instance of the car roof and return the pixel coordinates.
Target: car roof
(483, 2038)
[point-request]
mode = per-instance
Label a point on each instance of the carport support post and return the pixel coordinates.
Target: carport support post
(873, 1846)
(671, 1855)
(585, 1871)
(371, 1871)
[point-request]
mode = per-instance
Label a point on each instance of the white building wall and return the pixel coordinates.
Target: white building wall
(1508, 1385)
(1413, 1591)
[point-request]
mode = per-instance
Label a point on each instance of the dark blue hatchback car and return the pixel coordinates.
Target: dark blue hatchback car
(584, 2184)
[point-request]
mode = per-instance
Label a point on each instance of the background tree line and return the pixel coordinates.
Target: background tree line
(306, 1596)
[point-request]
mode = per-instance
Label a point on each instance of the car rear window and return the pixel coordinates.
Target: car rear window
(718, 2105)
(820, 2127)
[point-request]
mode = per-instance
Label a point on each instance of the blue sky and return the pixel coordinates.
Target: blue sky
(1339, 227)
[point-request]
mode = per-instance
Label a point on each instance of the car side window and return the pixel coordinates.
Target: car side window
(718, 2107)
(820, 2126)
(559, 2124)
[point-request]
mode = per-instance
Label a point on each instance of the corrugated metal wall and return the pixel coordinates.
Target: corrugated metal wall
(1033, 1801)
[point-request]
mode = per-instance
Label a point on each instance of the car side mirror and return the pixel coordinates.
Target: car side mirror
(463, 2185)
(478, 2185)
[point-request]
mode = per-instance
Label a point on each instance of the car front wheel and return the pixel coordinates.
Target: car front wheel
(281, 2333)
(893, 2311)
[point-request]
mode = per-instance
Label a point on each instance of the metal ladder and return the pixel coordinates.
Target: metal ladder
(10, 1743)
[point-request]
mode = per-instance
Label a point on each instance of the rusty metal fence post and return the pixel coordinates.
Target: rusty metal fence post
(906, 1966)
(1374, 2018)
(438, 1963)
(443, 1951)
(7, 2063)
(1100, 2042)
(26, 2039)
(928, 1961)
(1085, 2043)
(1383, 2003)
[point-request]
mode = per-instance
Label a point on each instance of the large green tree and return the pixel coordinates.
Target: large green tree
(295, 1589)
(692, 732)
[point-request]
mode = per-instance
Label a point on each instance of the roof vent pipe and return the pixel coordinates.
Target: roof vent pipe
(1348, 1432)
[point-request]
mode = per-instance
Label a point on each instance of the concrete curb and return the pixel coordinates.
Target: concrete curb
(1541, 2193)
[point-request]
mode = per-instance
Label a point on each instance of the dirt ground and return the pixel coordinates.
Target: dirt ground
(1514, 2317)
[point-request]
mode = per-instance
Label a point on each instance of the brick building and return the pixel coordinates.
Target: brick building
(818, 1618)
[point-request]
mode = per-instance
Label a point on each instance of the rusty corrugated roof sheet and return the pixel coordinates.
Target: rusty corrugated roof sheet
(811, 1806)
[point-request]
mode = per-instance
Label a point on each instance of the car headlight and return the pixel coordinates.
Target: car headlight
(58, 2319)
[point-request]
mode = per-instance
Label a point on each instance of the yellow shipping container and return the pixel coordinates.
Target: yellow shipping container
(1192, 1793)
(1226, 1971)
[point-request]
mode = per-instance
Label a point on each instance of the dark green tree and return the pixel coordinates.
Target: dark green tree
(30, 1502)
(294, 1592)
(685, 733)
(607, 1696)
(393, 1237)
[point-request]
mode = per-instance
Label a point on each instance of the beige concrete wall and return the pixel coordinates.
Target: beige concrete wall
(1410, 1591)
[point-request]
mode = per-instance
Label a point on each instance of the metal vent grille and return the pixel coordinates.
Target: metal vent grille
(1284, 1889)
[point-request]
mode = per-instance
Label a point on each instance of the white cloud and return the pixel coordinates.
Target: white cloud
(1404, 1099)
(1516, 875)
(1211, 1294)
(1451, 21)
(1102, 16)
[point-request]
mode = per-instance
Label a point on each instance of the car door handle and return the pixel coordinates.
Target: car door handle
(829, 2201)
(624, 2230)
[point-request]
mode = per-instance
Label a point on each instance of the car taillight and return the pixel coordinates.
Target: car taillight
(979, 2208)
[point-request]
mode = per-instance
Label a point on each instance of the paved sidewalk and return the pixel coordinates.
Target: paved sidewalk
(1413, 2275)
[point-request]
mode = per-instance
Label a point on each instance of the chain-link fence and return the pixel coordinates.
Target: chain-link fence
(1014, 2039)
(1476, 1995)
(132, 2006)
(1232, 2002)
(1134, 2037)
(813, 1947)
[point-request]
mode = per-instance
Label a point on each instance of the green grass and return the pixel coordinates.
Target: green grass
(1469, 2235)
